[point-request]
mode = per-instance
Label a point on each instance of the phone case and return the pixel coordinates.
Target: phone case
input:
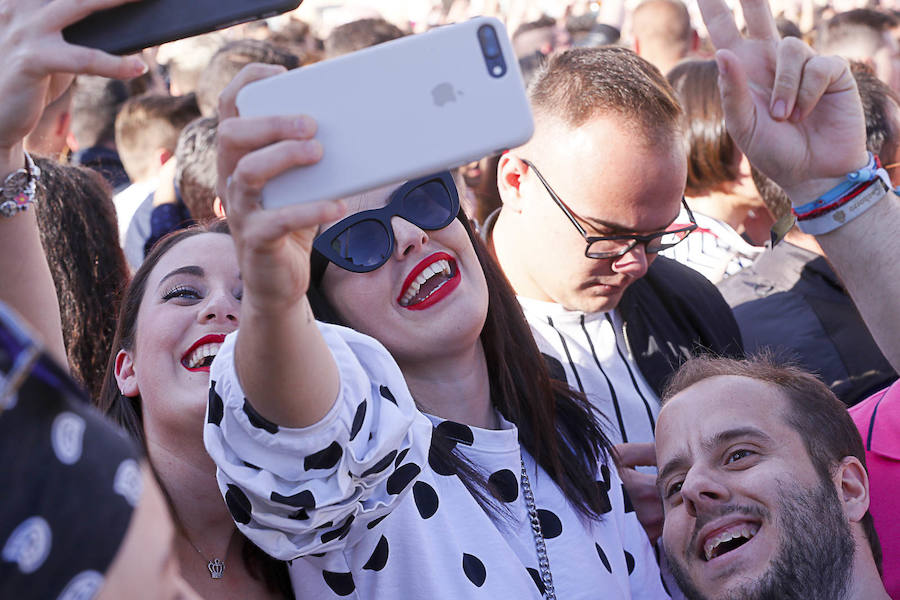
(396, 111)
(132, 27)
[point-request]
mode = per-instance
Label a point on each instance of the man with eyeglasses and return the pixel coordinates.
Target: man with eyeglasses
(587, 205)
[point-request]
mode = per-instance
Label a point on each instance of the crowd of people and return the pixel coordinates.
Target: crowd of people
(651, 353)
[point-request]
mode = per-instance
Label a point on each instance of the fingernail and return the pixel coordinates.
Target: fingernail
(314, 148)
(303, 125)
(779, 110)
(137, 66)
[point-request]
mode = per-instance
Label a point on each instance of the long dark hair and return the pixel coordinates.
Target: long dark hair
(127, 413)
(77, 223)
(557, 425)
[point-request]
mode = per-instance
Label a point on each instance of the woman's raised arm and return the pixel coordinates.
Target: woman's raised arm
(281, 359)
(37, 67)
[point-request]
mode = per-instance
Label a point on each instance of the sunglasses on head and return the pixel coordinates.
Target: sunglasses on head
(364, 241)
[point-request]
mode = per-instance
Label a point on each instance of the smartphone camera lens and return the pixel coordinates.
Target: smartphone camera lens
(490, 48)
(489, 42)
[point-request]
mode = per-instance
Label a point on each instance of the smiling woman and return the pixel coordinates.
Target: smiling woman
(411, 435)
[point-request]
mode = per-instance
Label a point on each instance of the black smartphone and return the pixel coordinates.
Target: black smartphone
(132, 27)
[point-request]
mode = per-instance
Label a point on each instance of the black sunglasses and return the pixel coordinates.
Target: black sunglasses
(614, 246)
(364, 241)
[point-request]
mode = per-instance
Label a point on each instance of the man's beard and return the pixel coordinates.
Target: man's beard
(814, 558)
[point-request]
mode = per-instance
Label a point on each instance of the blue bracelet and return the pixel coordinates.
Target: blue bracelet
(867, 173)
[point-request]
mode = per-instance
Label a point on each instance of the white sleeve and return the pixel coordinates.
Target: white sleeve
(295, 492)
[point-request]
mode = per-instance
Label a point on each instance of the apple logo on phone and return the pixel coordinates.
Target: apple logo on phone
(444, 93)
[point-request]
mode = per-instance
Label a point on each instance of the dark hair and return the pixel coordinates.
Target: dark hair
(557, 425)
(814, 412)
(881, 108)
(80, 235)
(863, 27)
(95, 103)
(360, 34)
(578, 83)
(787, 28)
(543, 22)
(228, 61)
(146, 123)
(127, 413)
(713, 157)
(195, 167)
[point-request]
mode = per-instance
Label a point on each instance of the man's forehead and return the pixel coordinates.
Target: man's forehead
(705, 409)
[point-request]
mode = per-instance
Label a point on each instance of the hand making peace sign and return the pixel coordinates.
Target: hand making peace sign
(796, 115)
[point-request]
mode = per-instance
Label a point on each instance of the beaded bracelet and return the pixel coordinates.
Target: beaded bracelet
(19, 189)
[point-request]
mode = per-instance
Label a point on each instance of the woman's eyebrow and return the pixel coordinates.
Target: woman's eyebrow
(187, 270)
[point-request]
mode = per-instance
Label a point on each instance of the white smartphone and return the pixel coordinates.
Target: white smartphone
(399, 110)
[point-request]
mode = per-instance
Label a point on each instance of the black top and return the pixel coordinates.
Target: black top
(792, 302)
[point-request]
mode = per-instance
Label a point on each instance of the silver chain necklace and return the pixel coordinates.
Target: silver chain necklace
(216, 567)
(539, 544)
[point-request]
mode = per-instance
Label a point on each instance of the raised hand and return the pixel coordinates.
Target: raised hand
(282, 361)
(796, 115)
(273, 245)
(38, 63)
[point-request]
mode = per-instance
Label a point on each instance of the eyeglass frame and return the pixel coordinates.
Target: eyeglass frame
(590, 240)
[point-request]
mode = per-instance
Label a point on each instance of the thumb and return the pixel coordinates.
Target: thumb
(736, 102)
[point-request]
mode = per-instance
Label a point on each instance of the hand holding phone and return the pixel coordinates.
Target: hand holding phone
(402, 109)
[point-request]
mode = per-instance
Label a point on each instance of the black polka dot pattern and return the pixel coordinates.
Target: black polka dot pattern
(439, 463)
(304, 499)
(629, 562)
(551, 526)
(603, 558)
(381, 465)
(379, 557)
(536, 577)
(257, 420)
(339, 533)
(504, 485)
(324, 459)
(402, 477)
(386, 394)
(358, 419)
(474, 569)
(238, 504)
(603, 487)
(340, 583)
(399, 460)
(216, 406)
(374, 523)
(426, 499)
(457, 432)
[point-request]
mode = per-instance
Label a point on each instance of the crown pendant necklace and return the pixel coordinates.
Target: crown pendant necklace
(216, 567)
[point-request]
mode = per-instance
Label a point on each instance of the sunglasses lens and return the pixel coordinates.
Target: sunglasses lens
(430, 205)
(363, 244)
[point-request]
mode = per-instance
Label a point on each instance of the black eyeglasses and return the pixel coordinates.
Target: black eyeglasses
(613, 246)
(364, 241)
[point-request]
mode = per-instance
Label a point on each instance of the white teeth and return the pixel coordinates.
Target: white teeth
(441, 266)
(198, 355)
(746, 532)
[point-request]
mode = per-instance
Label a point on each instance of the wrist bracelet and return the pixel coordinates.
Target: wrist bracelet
(847, 210)
(19, 188)
(853, 184)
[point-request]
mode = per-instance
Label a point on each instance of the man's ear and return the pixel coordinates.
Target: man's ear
(854, 488)
(125, 375)
(510, 170)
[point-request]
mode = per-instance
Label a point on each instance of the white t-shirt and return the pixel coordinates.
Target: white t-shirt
(127, 202)
(597, 360)
(714, 249)
(357, 505)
